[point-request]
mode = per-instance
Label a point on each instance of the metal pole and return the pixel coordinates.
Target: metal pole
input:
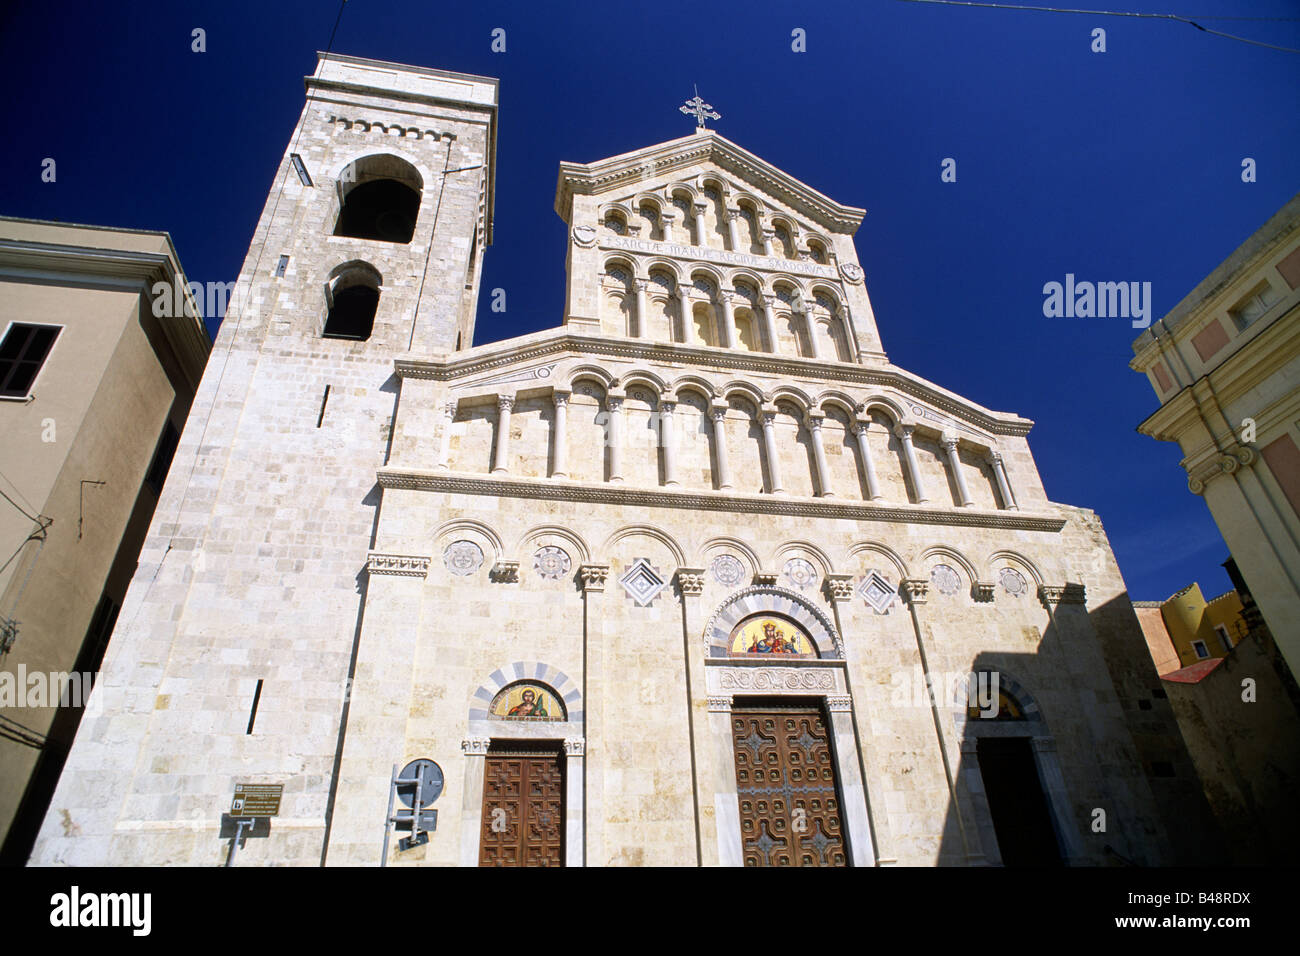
(239, 832)
(388, 820)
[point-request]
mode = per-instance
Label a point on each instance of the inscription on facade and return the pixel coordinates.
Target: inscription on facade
(675, 250)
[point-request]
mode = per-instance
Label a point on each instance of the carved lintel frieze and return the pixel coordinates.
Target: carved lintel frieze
(720, 704)
(575, 746)
(475, 746)
(402, 565)
(839, 703)
(777, 678)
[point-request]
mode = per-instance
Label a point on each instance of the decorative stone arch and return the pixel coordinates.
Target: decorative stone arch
(470, 530)
(482, 728)
(621, 208)
(971, 779)
(895, 561)
(651, 197)
(772, 599)
(628, 531)
(593, 373)
(650, 380)
(1006, 556)
(782, 553)
(792, 394)
(546, 532)
(715, 275)
(365, 207)
(660, 264)
(892, 410)
(724, 543)
(942, 554)
(836, 399)
(619, 261)
(714, 181)
(815, 238)
(694, 383)
(746, 390)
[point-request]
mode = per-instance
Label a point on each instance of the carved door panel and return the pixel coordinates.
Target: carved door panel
(523, 809)
(785, 780)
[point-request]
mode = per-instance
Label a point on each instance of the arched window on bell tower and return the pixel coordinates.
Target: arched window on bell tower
(351, 297)
(380, 199)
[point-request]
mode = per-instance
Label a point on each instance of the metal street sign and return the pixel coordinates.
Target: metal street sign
(422, 775)
(256, 800)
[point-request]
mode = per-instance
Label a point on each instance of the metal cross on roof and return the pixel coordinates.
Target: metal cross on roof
(700, 110)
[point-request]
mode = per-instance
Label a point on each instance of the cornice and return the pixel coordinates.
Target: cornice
(560, 341)
(60, 262)
(507, 487)
(632, 167)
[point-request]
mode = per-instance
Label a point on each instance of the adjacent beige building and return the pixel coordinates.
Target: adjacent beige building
(1225, 364)
(666, 584)
(94, 389)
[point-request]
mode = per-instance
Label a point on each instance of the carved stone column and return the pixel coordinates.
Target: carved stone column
(769, 447)
(860, 428)
(809, 323)
(769, 321)
(560, 447)
(699, 209)
(1004, 486)
(668, 219)
(718, 412)
(668, 439)
(733, 234)
(615, 436)
(688, 316)
(500, 463)
(444, 448)
(642, 313)
(815, 419)
(904, 433)
(728, 318)
(768, 236)
(954, 462)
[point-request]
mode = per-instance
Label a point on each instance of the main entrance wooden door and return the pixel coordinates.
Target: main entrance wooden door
(786, 784)
(523, 807)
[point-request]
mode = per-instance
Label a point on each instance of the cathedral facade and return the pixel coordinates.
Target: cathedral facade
(697, 577)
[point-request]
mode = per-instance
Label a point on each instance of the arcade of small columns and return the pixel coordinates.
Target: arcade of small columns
(706, 312)
(813, 419)
(716, 213)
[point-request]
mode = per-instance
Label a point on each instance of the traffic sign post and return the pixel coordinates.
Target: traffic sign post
(419, 785)
(251, 802)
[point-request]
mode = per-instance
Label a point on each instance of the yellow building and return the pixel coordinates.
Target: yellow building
(1225, 365)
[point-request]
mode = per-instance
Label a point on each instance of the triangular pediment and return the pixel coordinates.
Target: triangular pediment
(626, 174)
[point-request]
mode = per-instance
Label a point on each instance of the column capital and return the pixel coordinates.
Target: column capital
(839, 587)
(949, 443)
(769, 413)
(994, 458)
(1067, 594)
(575, 746)
(904, 431)
(720, 704)
(667, 403)
(561, 396)
(717, 409)
(914, 590)
(505, 572)
(449, 409)
(839, 703)
(691, 580)
(982, 592)
(505, 402)
(593, 576)
(614, 400)
(475, 746)
(814, 418)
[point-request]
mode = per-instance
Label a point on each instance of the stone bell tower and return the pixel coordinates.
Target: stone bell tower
(232, 657)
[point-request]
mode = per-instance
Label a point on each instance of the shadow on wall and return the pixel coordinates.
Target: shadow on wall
(1066, 773)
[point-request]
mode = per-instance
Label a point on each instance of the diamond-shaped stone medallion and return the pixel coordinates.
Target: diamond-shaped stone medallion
(642, 582)
(876, 590)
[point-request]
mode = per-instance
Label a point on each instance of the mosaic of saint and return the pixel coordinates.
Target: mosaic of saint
(770, 635)
(527, 701)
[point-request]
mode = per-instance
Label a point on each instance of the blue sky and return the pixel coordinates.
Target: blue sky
(1115, 166)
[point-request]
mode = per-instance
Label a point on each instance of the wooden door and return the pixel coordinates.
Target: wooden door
(786, 784)
(523, 808)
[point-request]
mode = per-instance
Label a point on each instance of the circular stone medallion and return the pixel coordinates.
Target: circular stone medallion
(552, 563)
(800, 572)
(945, 579)
(727, 570)
(1013, 582)
(463, 557)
